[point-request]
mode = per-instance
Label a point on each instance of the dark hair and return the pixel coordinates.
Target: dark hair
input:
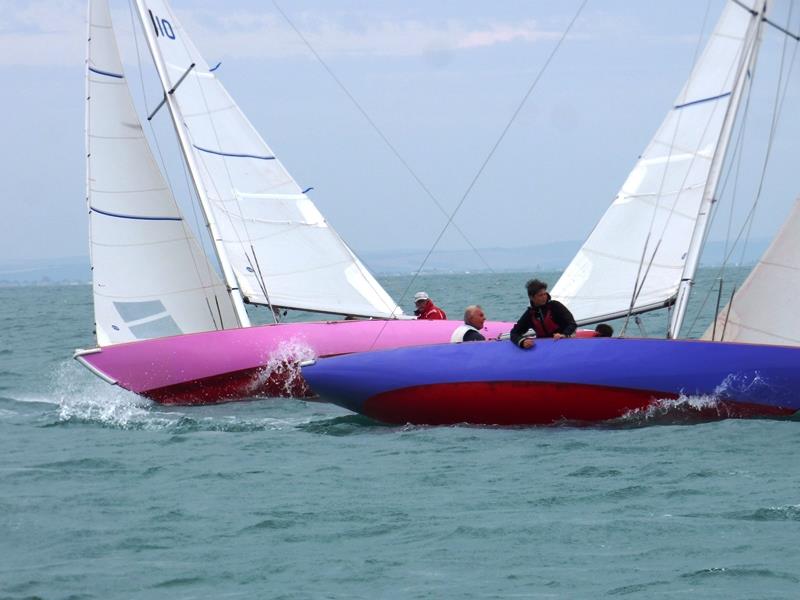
(534, 285)
(604, 330)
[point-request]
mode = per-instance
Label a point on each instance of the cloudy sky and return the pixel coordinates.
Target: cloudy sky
(439, 79)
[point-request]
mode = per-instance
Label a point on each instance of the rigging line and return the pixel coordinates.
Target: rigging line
(639, 282)
(716, 310)
(736, 158)
(186, 229)
(748, 220)
(260, 278)
(201, 163)
(383, 136)
(727, 316)
(775, 118)
(249, 238)
(491, 152)
(88, 148)
(219, 312)
(745, 74)
(497, 143)
(794, 36)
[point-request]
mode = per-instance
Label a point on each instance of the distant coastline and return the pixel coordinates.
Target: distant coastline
(528, 259)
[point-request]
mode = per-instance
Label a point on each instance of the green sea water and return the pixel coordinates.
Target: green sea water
(107, 495)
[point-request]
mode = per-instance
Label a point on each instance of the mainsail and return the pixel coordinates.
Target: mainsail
(278, 245)
(764, 308)
(635, 258)
(150, 276)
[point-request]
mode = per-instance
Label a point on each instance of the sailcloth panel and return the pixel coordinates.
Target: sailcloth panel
(645, 234)
(266, 223)
(764, 309)
(150, 276)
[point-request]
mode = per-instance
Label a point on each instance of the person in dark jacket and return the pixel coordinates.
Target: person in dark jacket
(426, 309)
(547, 317)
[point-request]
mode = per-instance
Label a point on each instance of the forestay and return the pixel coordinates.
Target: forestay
(638, 249)
(764, 309)
(279, 246)
(134, 220)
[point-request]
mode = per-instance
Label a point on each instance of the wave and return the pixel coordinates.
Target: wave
(684, 410)
(670, 408)
(740, 572)
(344, 425)
(772, 513)
(78, 398)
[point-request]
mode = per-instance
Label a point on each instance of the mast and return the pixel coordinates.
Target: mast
(186, 148)
(701, 225)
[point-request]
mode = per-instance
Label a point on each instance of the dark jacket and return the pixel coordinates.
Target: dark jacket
(547, 320)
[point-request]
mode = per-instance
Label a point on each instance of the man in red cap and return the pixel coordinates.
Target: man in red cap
(426, 309)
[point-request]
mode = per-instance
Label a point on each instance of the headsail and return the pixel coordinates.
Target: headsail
(279, 246)
(764, 309)
(639, 247)
(135, 224)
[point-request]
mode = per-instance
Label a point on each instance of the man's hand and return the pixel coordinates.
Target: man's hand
(558, 336)
(527, 343)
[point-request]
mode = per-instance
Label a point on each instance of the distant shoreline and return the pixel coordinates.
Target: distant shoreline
(393, 263)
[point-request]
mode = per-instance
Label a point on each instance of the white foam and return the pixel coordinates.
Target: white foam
(283, 363)
(80, 396)
(681, 405)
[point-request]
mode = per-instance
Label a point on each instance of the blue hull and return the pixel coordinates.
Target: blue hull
(575, 379)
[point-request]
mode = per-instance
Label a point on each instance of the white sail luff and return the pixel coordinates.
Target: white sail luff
(700, 232)
(86, 141)
(277, 244)
(186, 148)
(150, 277)
(634, 258)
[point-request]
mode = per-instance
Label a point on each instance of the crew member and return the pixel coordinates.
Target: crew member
(547, 317)
(603, 330)
(470, 331)
(426, 309)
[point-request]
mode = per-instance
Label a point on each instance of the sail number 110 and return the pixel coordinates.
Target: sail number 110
(161, 26)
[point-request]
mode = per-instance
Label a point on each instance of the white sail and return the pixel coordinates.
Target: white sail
(150, 276)
(764, 308)
(279, 246)
(639, 247)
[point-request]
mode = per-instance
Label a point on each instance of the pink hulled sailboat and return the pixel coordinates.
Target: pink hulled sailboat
(170, 321)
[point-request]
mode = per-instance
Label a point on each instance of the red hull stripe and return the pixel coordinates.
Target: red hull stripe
(238, 385)
(527, 403)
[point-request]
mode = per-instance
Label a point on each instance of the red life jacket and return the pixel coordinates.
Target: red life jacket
(544, 328)
(431, 312)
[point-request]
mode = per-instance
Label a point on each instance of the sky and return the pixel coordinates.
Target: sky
(440, 80)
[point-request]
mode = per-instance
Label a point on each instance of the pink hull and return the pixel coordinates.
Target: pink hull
(220, 366)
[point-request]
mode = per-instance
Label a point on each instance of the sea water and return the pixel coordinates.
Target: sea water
(107, 495)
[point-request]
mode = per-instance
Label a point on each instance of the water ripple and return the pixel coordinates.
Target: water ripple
(739, 572)
(773, 513)
(590, 471)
